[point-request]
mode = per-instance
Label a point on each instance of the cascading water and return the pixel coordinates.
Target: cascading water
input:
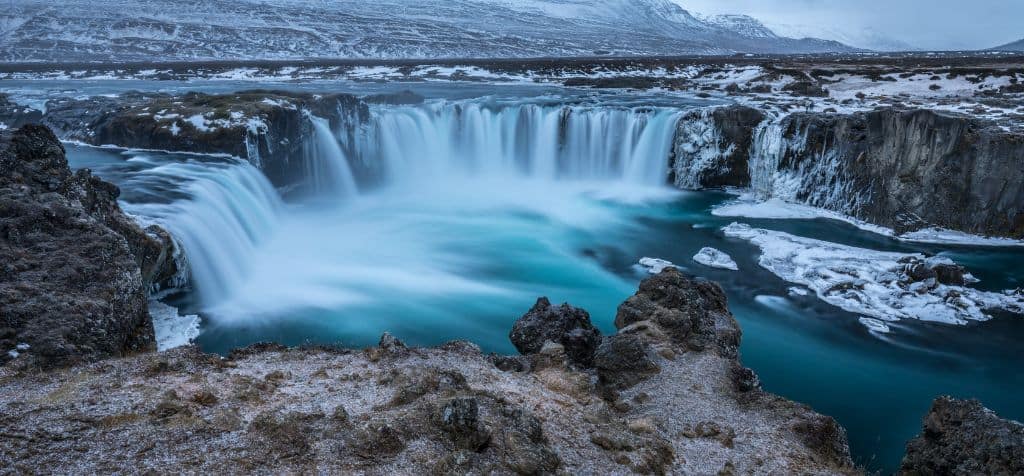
(524, 140)
(448, 170)
(327, 167)
(227, 211)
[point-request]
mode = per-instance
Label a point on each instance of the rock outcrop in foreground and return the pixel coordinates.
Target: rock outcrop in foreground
(963, 437)
(74, 269)
(663, 395)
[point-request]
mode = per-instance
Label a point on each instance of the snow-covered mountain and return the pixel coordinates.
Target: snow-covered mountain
(743, 25)
(1015, 46)
(150, 30)
(866, 38)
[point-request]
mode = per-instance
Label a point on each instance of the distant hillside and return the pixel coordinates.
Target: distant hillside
(1015, 46)
(154, 30)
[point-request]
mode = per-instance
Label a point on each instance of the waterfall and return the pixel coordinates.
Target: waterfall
(411, 143)
(226, 211)
(327, 166)
(230, 211)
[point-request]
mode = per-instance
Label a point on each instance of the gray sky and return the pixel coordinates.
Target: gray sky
(929, 24)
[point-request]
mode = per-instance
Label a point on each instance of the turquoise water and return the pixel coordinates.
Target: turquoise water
(462, 258)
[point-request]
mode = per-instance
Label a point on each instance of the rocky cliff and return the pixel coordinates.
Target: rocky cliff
(902, 169)
(908, 169)
(665, 394)
(75, 270)
(269, 128)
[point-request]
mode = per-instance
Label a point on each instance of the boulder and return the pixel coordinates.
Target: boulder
(460, 419)
(564, 324)
(693, 313)
(964, 437)
(72, 286)
(623, 360)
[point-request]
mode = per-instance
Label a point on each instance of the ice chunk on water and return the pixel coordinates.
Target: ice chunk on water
(715, 259)
(875, 325)
(868, 282)
(172, 330)
(655, 265)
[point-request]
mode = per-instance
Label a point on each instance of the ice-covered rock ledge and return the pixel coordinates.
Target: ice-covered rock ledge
(665, 394)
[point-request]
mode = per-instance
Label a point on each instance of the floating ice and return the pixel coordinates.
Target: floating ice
(655, 265)
(871, 283)
(875, 325)
(798, 291)
(715, 259)
(172, 330)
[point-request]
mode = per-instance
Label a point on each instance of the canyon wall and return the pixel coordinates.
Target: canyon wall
(902, 169)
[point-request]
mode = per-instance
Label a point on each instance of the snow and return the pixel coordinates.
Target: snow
(745, 206)
(175, 130)
(875, 325)
(172, 329)
(797, 291)
(655, 265)
(199, 122)
(943, 236)
(868, 282)
(713, 258)
(89, 31)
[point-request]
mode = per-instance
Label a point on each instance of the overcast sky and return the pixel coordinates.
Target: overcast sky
(929, 24)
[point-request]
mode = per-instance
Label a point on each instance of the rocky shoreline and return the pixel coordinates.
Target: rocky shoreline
(82, 391)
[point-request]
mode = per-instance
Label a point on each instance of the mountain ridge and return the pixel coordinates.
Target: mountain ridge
(152, 30)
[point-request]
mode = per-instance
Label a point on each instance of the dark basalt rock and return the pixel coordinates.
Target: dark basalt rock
(460, 419)
(267, 127)
(693, 313)
(805, 89)
(75, 273)
(564, 324)
(525, 449)
(623, 360)
(963, 437)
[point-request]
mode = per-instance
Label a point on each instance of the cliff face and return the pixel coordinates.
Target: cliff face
(75, 270)
(908, 169)
(905, 170)
(269, 128)
(712, 148)
(665, 394)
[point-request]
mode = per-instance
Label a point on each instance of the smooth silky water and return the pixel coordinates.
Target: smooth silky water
(477, 207)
